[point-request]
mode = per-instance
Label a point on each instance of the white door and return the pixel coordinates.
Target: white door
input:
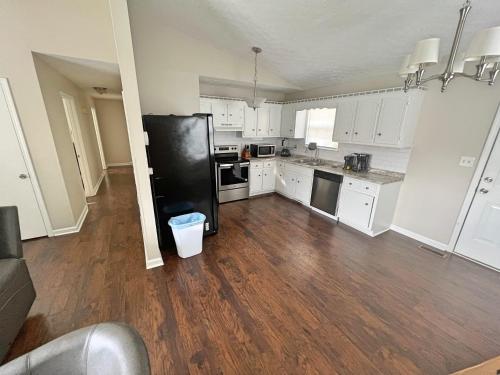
(480, 236)
(344, 120)
(303, 190)
(390, 120)
(274, 120)
(355, 208)
(76, 138)
(268, 179)
(250, 127)
(16, 182)
(366, 120)
(290, 183)
(219, 112)
(263, 121)
(235, 112)
(255, 180)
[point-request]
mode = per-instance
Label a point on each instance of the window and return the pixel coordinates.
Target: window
(320, 124)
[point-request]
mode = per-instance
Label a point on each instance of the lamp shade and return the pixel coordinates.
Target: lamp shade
(484, 43)
(405, 69)
(255, 102)
(426, 52)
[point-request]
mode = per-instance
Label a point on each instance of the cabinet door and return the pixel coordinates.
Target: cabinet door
(290, 183)
(287, 120)
(235, 112)
(303, 190)
(344, 120)
(219, 111)
(255, 180)
(366, 120)
(263, 115)
(300, 124)
(250, 126)
(205, 106)
(274, 120)
(280, 181)
(390, 120)
(268, 180)
(355, 208)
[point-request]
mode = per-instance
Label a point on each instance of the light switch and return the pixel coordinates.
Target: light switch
(467, 161)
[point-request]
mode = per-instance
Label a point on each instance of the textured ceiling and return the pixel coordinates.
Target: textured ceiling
(86, 73)
(314, 43)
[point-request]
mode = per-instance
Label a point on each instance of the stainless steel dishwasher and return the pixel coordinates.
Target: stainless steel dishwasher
(326, 191)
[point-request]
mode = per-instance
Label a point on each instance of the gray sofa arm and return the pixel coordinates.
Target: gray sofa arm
(106, 348)
(10, 234)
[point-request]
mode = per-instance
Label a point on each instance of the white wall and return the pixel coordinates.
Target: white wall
(239, 92)
(77, 28)
(113, 129)
(169, 64)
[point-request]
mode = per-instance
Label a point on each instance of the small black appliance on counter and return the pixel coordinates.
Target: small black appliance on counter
(357, 162)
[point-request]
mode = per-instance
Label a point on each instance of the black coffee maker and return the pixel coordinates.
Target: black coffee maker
(357, 162)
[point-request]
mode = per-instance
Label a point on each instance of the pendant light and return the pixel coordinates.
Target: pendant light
(255, 102)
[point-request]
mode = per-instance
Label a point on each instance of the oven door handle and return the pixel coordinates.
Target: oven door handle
(225, 166)
(245, 163)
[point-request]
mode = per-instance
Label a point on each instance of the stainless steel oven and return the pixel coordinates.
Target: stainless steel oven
(232, 174)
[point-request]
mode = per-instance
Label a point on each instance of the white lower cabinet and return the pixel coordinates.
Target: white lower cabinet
(366, 206)
(262, 176)
(297, 183)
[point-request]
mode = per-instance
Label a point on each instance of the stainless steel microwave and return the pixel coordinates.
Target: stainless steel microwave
(262, 151)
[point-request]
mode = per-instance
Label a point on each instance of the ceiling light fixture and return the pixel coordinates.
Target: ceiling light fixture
(255, 102)
(484, 48)
(100, 90)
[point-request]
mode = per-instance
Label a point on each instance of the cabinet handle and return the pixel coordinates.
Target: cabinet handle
(366, 204)
(355, 133)
(350, 183)
(347, 132)
(367, 187)
(379, 134)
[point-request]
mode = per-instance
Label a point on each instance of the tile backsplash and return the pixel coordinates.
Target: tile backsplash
(391, 159)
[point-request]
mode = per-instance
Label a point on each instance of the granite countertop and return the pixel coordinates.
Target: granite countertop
(377, 176)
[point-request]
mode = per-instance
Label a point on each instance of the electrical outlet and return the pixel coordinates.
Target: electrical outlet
(467, 161)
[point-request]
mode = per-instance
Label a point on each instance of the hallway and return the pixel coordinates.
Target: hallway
(278, 290)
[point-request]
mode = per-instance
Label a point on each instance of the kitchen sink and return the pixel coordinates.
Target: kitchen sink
(302, 161)
(315, 163)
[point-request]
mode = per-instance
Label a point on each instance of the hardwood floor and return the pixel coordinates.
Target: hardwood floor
(279, 290)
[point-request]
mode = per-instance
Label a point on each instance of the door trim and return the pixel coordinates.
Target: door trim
(74, 127)
(5, 87)
(98, 136)
(476, 179)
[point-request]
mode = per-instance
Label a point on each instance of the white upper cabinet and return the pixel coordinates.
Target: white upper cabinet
(228, 115)
(290, 128)
(387, 119)
(390, 120)
(263, 116)
(250, 127)
(274, 120)
(344, 120)
(366, 120)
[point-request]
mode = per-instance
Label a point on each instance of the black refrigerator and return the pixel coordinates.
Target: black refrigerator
(180, 154)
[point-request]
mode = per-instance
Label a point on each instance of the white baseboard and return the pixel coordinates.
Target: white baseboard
(155, 262)
(420, 238)
(95, 189)
(76, 228)
(118, 164)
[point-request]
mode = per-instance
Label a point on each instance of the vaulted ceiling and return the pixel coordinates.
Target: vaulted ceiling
(313, 43)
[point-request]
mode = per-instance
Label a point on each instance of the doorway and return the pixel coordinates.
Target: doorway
(19, 184)
(479, 238)
(76, 138)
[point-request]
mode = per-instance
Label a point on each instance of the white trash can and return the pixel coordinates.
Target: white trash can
(188, 233)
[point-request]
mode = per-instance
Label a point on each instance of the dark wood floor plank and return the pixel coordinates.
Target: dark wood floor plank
(279, 290)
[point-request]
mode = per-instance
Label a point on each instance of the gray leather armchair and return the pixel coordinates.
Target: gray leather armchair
(105, 348)
(16, 288)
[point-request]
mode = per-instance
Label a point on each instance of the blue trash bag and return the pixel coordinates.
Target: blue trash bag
(187, 220)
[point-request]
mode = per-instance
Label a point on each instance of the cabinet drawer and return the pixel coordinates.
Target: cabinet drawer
(256, 164)
(269, 164)
(361, 186)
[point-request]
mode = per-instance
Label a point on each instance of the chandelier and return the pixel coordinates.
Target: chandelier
(484, 50)
(255, 102)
